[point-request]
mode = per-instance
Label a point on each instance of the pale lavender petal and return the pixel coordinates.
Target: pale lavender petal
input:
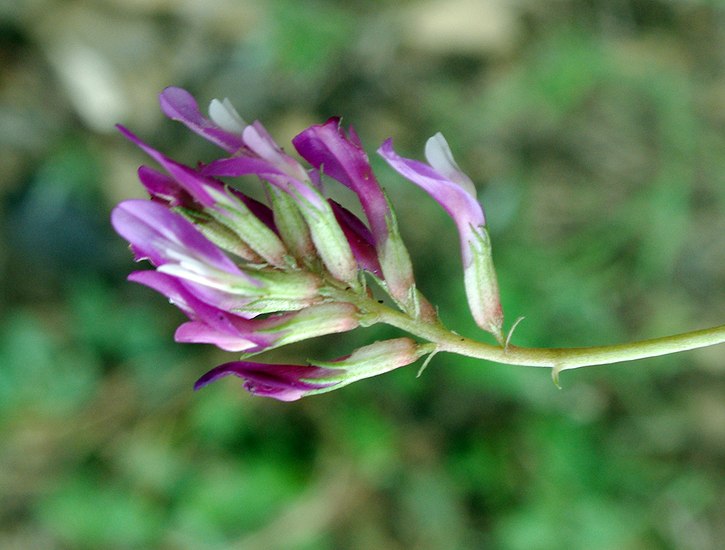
(455, 192)
(169, 286)
(191, 298)
(224, 115)
(232, 332)
(282, 382)
(213, 306)
(210, 325)
(439, 156)
(214, 195)
(253, 336)
(178, 104)
(182, 296)
(167, 189)
(259, 141)
(197, 332)
(243, 166)
(282, 170)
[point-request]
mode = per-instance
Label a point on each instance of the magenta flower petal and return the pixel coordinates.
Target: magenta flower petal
(178, 104)
(197, 332)
(244, 166)
(164, 237)
(258, 140)
(193, 183)
(171, 287)
(166, 189)
(241, 166)
(209, 325)
(184, 297)
(163, 188)
(175, 246)
(359, 237)
(341, 157)
(232, 332)
(282, 382)
(271, 164)
(291, 382)
(230, 207)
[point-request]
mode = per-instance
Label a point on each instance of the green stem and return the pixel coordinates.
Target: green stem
(557, 358)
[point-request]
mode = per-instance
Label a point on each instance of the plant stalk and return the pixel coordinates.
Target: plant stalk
(557, 358)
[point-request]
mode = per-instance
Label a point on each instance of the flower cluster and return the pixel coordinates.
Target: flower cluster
(251, 276)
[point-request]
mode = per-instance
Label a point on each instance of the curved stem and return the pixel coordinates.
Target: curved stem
(557, 358)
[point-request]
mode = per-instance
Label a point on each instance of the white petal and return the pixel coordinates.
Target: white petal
(439, 156)
(225, 116)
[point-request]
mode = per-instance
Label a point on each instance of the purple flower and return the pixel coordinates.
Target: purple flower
(340, 156)
(208, 324)
(185, 187)
(291, 382)
(251, 277)
(455, 192)
(231, 332)
(282, 382)
(257, 153)
(265, 159)
(164, 237)
(166, 190)
(177, 248)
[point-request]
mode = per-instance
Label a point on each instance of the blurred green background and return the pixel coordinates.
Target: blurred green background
(596, 133)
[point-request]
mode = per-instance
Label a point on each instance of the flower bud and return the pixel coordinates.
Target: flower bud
(291, 382)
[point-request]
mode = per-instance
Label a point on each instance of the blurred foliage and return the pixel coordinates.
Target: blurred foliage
(596, 130)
